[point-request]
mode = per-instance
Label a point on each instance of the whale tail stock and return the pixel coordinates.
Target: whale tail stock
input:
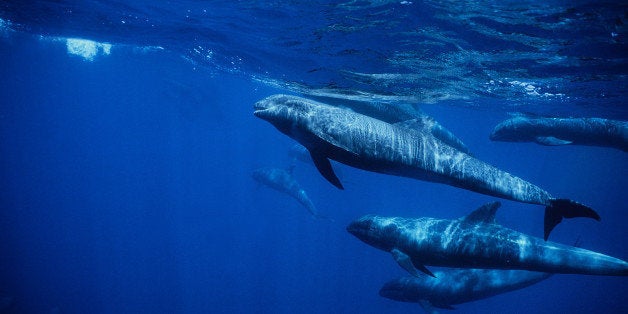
(565, 208)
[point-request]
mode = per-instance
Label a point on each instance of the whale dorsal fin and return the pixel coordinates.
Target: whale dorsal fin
(486, 213)
(429, 125)
(418, 123)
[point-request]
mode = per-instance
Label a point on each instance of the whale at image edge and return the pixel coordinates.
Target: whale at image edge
(456, 286)
(366, 143)
(563, 131)
(476, 241)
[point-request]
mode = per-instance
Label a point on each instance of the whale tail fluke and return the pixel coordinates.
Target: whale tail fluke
(564, 208)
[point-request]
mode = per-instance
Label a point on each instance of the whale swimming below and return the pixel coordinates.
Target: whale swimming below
(366, 143)
(283, 181)
(476, 241)
(456, 286)
(563, 131)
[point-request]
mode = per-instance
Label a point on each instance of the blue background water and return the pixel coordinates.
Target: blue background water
(125, 188)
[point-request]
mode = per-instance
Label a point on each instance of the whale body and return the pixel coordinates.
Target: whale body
(283, 181)
(563, 131)
(366, 143)
(403, 114)
(456, 286)
(476, 241)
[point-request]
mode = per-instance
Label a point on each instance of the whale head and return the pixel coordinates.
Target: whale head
(379, 232)
(287, 113)
(402, 289)
(517, 129)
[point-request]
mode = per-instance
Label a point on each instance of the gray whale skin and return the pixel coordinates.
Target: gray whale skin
(476, 241)
(456, 286)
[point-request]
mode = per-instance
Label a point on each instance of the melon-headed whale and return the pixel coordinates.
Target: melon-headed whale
(456, 286)
(283, 181)
(563, 131)
(476, 241)
(366, 143)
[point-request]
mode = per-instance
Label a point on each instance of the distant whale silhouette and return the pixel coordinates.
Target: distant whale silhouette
(366, 143)
(283, 181)
(476, 241)
(456, 286)
(300, 153)
(563, 131)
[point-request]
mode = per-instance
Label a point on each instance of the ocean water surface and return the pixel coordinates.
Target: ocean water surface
(127, 143)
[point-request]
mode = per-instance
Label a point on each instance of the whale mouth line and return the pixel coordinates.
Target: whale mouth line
(259, 108)
(261, 105)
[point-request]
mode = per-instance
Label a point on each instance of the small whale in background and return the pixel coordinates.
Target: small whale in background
(370, 144)
(283, 181)
(403, 115)
(300, 153)
(476, 241)
(563, 131)
(456, 286)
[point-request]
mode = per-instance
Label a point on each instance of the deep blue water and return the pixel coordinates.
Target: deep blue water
(125, 180)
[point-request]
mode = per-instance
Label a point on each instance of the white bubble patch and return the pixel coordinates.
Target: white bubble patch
(87, 49)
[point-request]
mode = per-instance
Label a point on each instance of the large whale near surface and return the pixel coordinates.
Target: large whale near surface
(366, 143)
(402, 114)
(476, 241)
(563, 131)
(283, 181)
(456, 286)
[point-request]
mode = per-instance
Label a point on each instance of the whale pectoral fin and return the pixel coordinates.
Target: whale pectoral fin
(424, 269)
(406, 263)
(564, 208)
(551, 141)
(427, 306)
(324, 167)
